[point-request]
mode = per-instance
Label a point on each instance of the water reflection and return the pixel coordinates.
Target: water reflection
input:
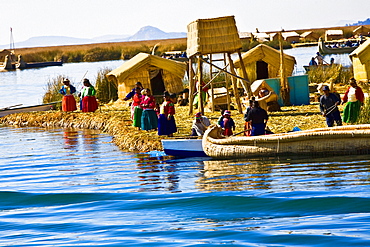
(155, 174)
(291, 175)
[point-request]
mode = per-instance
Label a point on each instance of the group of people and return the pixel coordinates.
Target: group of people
(353, 98)
(319, 60)
(88, 101)
(149, 115)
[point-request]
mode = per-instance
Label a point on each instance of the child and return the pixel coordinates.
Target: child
(136, 110)
(228, 124)
(166, 120)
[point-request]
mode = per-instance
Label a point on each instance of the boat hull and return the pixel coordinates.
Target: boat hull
(43, 107)
(342, 140)
(183, 147)
(323, 49)
(38, 65)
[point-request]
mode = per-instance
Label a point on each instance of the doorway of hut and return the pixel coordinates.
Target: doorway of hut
(262, 70)
(156, 83)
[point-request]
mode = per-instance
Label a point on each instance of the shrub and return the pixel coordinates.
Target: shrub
(106, 90)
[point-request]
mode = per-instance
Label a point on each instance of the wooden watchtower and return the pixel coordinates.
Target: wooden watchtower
(214, 36)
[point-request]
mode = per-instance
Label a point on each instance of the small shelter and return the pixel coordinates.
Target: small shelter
(310, 36)
(156, 73)
(274, 36)
(204, 38)
(291, 37)
(261, 37)
(361, 62)
(361, 30)
(263, 62)
(4, 53)
(333, 35)
(245, 35)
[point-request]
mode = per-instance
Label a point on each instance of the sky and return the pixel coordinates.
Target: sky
(93, 18)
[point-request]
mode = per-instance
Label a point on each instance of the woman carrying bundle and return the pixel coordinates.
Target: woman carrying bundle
(68, 101)
(88, 101)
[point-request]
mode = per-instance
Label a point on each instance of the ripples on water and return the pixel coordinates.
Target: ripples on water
(75, 188)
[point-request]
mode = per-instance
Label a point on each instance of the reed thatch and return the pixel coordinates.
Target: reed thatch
(333, 35)
(210, 36)
(310, 36)
(268, 55)
(340, 140)
(144, 67)
(291, 36)
(361, 30)
(361, 62)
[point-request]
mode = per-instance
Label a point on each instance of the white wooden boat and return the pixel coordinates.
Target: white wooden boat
(340, 140)
(42, 107)
(183, 147)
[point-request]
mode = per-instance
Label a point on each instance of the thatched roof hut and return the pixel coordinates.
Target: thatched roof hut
(361, 30)
(290, 36)
(3, 53)
(333, 35)
(310, 36)
(361, 62)
(155, 73)
(210, 36)
(263, 62)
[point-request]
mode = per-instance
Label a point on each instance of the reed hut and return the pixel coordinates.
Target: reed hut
(291, 37)
(212, 36)
(263, 62)
(261, 37)
(4, 53)
(310, 36)
(156, 73)
(274, 36)
(361, 62)
(361, 30)
(333, 35)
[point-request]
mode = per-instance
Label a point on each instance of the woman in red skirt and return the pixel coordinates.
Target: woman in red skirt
(88, 101)
(68, 101)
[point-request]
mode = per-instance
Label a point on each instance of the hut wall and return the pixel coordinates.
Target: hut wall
(361, 71)
(124, 87)
(292, 39)
(333, 37)
(172, 83)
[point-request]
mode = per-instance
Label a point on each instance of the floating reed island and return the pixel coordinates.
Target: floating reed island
(116, 122)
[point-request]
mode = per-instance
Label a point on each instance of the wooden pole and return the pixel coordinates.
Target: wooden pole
(233, 80)
(228, 100)
(199, 88)
(285, 91)
(212, 90)
(191, 86)
(246, 84)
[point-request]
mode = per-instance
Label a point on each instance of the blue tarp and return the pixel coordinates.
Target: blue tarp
(299, 91)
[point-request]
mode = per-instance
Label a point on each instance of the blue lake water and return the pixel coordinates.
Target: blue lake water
(63, 187)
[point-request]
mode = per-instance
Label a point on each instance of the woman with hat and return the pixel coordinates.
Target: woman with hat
(200, 124)
(328, 107)
(354, 97)
(68, 101)
(166, 119)
(88, 101)
(227, 124)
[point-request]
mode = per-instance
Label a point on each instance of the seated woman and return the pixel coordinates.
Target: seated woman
(200, 124)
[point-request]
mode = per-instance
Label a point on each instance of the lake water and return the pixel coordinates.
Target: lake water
(65, 187)
(75, 188)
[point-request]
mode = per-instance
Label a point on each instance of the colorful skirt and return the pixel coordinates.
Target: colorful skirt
(165, 126)
(69, 103)
(351, 111)
(227, 132)
(136, 119)
(89, 104)
(149, 120)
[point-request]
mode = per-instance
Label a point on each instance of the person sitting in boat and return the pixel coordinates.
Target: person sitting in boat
(328, 107)
(88, 101)
(133, 91)
(257, 118)
(200, 124)
(319, 58)
(348, 43)
(354, 97)
(227, 124)
(68, 101)
(312, 62)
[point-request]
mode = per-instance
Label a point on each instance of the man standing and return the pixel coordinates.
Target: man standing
(329, 108)
(257, 118)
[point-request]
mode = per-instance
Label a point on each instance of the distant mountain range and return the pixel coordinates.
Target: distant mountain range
(145, 33)
(365, 22)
